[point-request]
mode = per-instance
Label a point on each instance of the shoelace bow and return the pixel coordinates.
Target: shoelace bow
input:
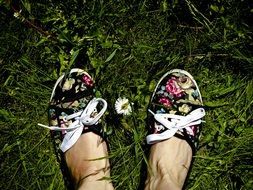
(81, 119)
(177, 122)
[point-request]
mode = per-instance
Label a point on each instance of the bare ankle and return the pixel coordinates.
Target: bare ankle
(164, 182)
(94, 176)
(170, 162)
(164, 178)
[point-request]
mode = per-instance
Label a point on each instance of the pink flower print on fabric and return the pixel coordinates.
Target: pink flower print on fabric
(87, 80)
(63, 124)
(173, 88)
(166, 102)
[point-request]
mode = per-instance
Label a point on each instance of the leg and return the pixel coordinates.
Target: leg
(169, 161)
(73, 106)
(87, 172)
(175, 109)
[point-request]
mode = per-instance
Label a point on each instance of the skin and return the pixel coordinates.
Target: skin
(87, 172)
(169, 162)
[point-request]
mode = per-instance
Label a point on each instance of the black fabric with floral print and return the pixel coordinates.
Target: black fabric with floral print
(178, 94)
(71, 95)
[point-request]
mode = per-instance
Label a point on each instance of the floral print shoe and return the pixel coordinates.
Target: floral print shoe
(175, 109)
(73, 110)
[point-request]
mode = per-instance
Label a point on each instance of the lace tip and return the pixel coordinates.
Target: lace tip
(45, 126)
(151, 112)
(41, 125)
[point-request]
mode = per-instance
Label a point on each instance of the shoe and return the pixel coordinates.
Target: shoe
(73, 110)
(175, 109)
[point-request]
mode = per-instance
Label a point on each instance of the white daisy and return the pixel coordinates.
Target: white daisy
(122, 106)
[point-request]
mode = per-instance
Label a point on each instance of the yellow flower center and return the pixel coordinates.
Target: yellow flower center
(124, 106)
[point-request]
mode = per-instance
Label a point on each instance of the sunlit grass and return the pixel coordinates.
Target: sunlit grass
(130, 46)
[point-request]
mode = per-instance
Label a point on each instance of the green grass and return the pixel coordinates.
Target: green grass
(127, 46)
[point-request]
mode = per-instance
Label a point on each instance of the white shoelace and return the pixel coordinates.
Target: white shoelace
(177, 122)
(81, 119)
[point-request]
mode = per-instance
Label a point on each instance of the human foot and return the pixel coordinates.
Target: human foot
(169, 163)
(174, 125)
(74, 115)
(88, 163)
